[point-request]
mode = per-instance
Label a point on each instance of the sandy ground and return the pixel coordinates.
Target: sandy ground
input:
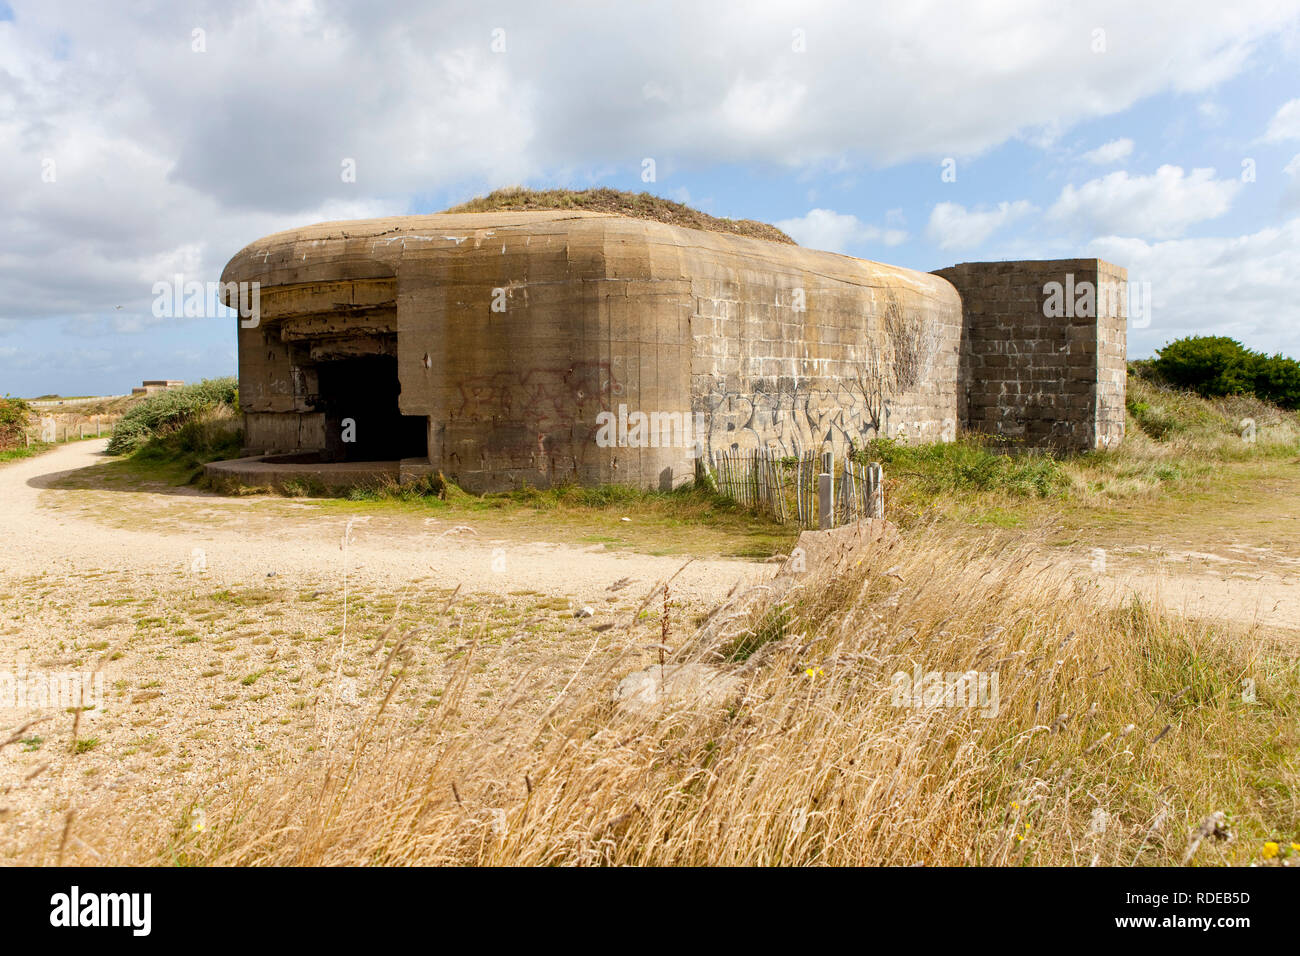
(40, 534)
(239, 541)
(1245, 589)
(218, 624)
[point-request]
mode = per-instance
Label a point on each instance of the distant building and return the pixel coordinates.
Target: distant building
(151, 385)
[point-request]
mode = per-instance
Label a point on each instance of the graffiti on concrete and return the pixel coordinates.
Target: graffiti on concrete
(801, 418)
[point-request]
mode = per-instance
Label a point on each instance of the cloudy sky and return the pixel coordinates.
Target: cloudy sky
(142, 140)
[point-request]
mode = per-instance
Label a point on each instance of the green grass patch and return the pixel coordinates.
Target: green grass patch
(29, 451)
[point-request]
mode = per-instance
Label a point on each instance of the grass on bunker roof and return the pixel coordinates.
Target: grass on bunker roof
(633, 205)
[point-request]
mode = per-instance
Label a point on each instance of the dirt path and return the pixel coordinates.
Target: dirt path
(1245, 591)
(45, 529)
(1231, 553)
(223, 637)
(1236, 559)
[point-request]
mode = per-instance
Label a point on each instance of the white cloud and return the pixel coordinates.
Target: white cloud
(1161, 206)
(952, 226)
(1291, 196)
(836, 232)
(169, 157)
(1285, 123)
(1211, 112)
(1108, 153)
(762, 108)
(1243, 286)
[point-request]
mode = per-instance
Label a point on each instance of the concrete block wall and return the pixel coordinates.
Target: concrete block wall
(1043, 351)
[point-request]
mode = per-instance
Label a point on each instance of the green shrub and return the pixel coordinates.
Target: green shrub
(1210, 365)
(14, 415)
(169, 410)
(1277, 380)
(1215, 366)
(201, 438)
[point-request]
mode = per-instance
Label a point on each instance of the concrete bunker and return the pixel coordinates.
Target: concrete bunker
(521, 348)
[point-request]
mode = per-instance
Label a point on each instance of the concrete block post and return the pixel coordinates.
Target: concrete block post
(826, 495)
(825, 501)
(849, 492)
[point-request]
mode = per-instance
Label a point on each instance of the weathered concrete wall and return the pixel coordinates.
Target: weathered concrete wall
(514, 336)
(270, 433)
(538, 346)
(1112, 356)
(1043, 358)
(800, 350)
(515, 332)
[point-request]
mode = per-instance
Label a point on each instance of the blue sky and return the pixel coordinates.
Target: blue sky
(135, 145)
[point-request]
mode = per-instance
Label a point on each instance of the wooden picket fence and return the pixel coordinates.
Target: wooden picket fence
(49, 429)
(861, 492)
(754, 478)
(767, 482)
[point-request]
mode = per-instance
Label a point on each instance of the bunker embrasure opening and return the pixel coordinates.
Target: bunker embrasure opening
(363, 420)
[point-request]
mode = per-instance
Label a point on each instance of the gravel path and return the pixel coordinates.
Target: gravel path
(242, 540)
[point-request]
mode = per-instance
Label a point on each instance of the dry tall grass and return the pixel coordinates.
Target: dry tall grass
(1118, 731)
(617, 202)
(1175, 436)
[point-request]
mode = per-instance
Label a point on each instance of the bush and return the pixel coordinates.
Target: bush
(1277, 380)
(1210, 365)
(14, 414)
(169, 410)
(1215, 365)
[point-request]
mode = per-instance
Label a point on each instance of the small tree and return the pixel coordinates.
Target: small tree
(1277, 380)
(1210, 365)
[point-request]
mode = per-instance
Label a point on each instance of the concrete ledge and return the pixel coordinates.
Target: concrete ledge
(265, 471)
(411, 469)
